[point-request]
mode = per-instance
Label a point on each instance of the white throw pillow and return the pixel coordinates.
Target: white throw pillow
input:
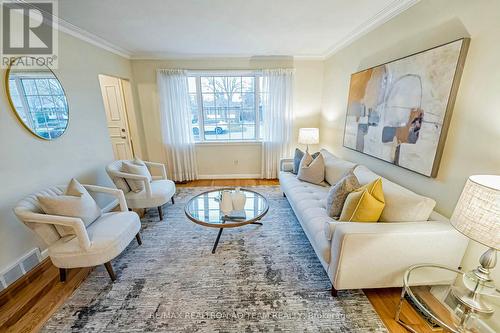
(312, 170)
(76, 202)
(136, 167)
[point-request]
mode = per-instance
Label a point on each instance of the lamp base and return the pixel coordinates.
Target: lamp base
(478, 282)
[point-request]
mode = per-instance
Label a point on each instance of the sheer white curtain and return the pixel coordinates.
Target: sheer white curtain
(277, 92)
(175, 116)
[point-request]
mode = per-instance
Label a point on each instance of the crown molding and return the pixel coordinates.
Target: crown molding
(309, 57)
(251, 57)
(90, 38)
(77, 32)
(182, 56)
(172, 56)
(395, 8)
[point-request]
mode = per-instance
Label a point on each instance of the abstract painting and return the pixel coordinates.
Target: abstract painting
(399, 112)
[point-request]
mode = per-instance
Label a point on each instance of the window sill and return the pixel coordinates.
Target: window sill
(228, 143)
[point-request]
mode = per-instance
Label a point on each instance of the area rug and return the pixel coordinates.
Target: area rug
(262, 278)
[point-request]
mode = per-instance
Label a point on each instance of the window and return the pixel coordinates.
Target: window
(40, 102)
(225, 107)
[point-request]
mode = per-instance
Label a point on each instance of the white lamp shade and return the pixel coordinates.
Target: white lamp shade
(477, 214)
(309, 136)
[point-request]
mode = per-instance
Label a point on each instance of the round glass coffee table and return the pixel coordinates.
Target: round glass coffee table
(204, 209)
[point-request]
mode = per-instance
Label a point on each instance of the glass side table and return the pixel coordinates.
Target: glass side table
(436, 302)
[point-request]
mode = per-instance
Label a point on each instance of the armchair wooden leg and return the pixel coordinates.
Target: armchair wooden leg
(160, 212)
(173, 201)
(110, 270)
(138, 238)
(62, 274)
(334, 292)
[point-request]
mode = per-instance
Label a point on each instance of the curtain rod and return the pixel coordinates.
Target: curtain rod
(215, 71)
(224, 71)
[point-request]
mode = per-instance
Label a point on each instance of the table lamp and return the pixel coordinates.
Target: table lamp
(477, 216)
(308, 136)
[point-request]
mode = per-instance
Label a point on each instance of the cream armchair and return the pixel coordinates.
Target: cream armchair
(97, 244)
(155, 194)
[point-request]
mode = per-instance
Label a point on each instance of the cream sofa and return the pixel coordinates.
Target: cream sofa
(372, 255)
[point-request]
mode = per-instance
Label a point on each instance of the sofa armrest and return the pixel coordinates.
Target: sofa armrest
(376, 255)
(330, 226)
(118, 194)
(286, 164)
(72, 222)
(161, 166)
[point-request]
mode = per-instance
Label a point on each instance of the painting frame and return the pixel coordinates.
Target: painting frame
(448, 110)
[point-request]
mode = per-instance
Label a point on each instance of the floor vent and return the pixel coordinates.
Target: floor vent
(23, 265)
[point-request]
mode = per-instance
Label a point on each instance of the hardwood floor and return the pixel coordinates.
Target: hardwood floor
(385, 302)
(229, 182)
(29, 302)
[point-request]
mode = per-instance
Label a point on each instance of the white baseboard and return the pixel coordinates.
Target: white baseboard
(231, 176)
(44, 254)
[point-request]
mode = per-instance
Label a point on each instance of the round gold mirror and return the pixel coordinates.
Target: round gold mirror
(37, 98)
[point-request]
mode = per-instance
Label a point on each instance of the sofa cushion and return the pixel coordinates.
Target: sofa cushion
(291, 184)
(401, 204)
(312, 170)
(335, 168)
(338, 194)
(161, 192)
(307, 201)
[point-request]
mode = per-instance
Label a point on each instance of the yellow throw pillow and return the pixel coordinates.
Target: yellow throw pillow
(375, 189)
(364, 204)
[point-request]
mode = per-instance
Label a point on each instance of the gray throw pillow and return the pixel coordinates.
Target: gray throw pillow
(76, 202)
(338, 193)
(297, 157)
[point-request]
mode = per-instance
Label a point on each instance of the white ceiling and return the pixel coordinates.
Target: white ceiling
(191, 28)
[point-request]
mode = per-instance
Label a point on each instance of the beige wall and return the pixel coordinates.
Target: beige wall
(472, 143)
(29, 164)
(227, 160)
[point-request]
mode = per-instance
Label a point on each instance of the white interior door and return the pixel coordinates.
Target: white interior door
(133, 118)
(116, 115)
